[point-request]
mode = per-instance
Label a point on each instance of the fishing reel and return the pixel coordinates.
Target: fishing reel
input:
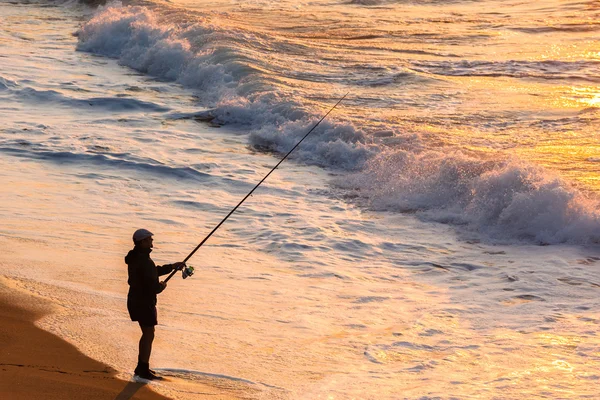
(187, 272)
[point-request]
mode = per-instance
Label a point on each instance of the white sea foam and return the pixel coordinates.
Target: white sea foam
(507, 200)
(186, 53)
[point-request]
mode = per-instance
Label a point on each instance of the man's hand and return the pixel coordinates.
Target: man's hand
(163, 286)
(178, 266)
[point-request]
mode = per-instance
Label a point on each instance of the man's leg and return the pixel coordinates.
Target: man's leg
(146, 340)
(145, 349)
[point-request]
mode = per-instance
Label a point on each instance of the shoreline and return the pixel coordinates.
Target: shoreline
(35, 363)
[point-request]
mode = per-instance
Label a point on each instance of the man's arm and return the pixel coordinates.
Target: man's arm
(167, 268)
(164, 269)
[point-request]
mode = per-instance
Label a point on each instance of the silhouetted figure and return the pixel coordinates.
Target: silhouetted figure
(141, 299)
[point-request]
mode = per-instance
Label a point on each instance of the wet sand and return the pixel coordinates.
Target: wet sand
(36, 364)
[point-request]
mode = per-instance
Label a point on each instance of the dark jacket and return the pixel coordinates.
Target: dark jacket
(143, 279)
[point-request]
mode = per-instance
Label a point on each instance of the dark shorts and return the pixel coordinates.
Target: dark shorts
(146, 315)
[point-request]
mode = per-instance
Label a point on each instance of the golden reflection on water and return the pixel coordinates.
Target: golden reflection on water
(471, 362)
(560, 134)
(588, 96)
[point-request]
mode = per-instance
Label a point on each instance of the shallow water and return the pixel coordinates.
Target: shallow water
(318, 287)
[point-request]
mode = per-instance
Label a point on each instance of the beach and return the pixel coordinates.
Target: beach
(435, 237)
(35, 363)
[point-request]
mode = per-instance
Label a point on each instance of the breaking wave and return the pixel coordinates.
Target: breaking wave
(506, 200)
(201, 56)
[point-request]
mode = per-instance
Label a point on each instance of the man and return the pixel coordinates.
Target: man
(141, 299)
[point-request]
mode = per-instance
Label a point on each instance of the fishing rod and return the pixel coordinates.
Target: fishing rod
(188, 271)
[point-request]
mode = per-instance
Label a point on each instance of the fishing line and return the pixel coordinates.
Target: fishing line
(189, 272)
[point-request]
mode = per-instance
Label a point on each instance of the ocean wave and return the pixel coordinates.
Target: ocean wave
(200, 56)
(117, 161)
(337, 146)
(366, 2)
(588, 70)
(380, 2)
(6, 84)
(114, 104)
(582, 27)
(505, 200)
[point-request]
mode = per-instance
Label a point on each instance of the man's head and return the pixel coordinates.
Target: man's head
(143, 238)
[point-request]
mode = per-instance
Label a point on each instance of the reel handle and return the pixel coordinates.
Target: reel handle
(187, 272)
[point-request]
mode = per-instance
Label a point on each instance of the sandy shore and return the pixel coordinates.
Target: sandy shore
(35, 364)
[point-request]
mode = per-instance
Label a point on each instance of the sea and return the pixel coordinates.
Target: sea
(435, 237)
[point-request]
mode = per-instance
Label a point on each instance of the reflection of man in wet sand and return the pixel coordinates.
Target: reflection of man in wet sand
(141, 299)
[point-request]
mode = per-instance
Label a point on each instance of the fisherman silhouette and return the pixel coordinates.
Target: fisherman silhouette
(141, 299)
